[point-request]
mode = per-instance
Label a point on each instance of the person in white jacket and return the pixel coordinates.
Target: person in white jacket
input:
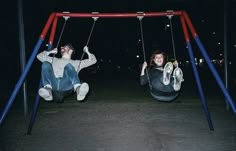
(61, 74)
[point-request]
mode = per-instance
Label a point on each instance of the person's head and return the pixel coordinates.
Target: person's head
(158, 58)
(67, 50)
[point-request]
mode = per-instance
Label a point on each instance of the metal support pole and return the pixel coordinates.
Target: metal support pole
(22, 52)
(226, 48)
(196, 75)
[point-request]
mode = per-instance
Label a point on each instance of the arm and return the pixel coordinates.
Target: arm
(44, 56)
(143, 76)
(87, 62)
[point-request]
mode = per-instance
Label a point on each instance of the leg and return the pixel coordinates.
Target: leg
(48, 77)
(65, 83)
(71, 80)
(48, 81)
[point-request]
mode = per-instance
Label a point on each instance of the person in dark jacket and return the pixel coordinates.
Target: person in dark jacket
(164, 78)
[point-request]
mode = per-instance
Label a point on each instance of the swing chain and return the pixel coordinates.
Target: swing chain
(170, 15)
(88, 40)
(143, 48)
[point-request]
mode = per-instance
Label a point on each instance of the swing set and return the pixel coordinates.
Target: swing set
(186, 27)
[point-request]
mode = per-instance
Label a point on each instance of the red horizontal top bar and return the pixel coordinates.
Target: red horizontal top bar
(118, 15)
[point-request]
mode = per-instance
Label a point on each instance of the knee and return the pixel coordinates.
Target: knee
(46, 65)
(69, 67)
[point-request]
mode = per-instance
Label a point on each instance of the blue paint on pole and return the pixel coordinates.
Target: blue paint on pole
(20, 81)
(199, 85)
(216, 75)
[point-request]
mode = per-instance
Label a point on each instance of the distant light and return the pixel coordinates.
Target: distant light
(137, 56)
(221, 54)
(235, 45)
(213, 33)
(167, 25)
(203, 21)
(219, 43)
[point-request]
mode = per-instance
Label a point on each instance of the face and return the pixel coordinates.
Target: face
(159, 59)
(66, 50)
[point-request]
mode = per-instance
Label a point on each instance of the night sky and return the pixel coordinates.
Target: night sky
(114, 40)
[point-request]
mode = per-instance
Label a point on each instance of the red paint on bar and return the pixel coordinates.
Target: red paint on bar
(119, 15)
(54, 17)
(185, 31)
(46, 27)
(53, 31)
(190, 25)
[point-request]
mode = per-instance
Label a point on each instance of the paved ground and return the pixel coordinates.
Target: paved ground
(121, 116)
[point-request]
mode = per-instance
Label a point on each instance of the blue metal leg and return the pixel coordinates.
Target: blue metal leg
(34, 112)
(216, 75)
(204, 104)
(20, 82)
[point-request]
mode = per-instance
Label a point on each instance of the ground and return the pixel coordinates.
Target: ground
(122, 116)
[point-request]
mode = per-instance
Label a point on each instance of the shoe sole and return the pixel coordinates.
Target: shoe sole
(167, 73)
(83, 90)
(45, 94)
(177, 79)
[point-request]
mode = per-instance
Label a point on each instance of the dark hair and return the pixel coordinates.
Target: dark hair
(155, 52)
(69, 45)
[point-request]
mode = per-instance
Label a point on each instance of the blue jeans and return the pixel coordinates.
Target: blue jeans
(65, 83)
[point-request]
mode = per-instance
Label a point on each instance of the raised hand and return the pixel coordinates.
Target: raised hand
(175, 63)
(86, 49)
(144, 65)
(54, 51)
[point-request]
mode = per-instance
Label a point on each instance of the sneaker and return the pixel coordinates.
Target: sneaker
(46, 93)
(178, 78)
(82, 91)
(167, 72)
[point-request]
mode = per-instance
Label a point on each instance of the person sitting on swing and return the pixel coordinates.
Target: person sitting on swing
(164, 85)
(61, 74)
